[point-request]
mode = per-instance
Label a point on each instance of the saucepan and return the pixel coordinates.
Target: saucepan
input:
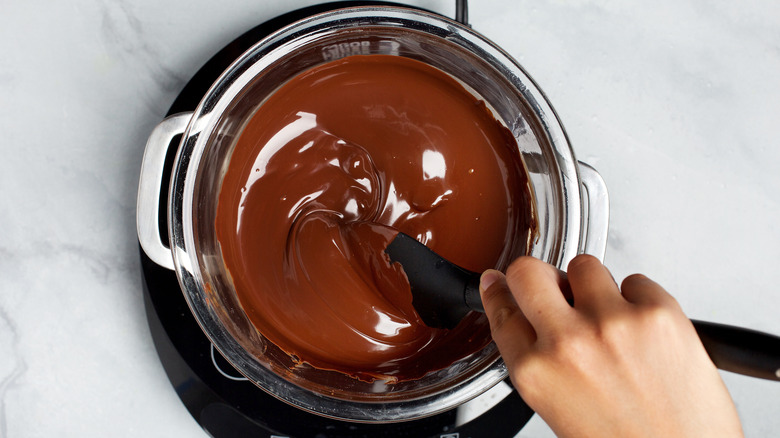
(571, 200)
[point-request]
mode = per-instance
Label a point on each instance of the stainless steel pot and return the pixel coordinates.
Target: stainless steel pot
(571, 198)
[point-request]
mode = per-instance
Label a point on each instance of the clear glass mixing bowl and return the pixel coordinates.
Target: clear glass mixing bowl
(571, 203)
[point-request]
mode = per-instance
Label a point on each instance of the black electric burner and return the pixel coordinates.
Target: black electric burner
(222, 401)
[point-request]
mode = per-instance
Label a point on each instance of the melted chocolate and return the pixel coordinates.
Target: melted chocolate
(327, 171)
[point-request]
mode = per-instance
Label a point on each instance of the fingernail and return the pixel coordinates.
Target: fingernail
(488, 278)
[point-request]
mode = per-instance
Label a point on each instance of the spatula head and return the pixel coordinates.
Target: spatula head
(439, 287)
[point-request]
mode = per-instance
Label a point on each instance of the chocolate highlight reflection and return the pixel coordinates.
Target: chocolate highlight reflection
(327, 171)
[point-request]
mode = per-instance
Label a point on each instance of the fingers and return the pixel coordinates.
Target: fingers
(510, 329)
(537, 288)
(593, 288)
(640, 290)
(596, 292)
(530, 301)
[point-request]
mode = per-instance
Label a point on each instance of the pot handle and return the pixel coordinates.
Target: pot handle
(595, 220)
(150, 187)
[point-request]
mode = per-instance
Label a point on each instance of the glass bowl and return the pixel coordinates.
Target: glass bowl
(570, 197)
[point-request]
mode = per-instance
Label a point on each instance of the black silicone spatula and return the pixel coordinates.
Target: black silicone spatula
(443, 293)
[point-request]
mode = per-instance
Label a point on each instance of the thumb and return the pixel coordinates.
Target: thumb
(511, 331)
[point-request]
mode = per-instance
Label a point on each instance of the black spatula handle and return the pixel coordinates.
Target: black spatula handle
(741, 350)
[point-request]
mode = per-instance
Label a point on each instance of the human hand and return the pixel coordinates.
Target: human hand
(615, 364)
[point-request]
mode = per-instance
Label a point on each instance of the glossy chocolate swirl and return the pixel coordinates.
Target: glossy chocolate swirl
(327, 171)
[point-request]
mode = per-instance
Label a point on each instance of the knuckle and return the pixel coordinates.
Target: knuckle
(502, 316)
(566, 346)
(526, 267)
(613, 332)
(590, 338)
(573, 347)
(639, 283)
(657, 315)
(522, 265)
(584, 261)
(635, 279)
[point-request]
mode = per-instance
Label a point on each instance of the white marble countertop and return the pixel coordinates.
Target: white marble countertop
(675, 102)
